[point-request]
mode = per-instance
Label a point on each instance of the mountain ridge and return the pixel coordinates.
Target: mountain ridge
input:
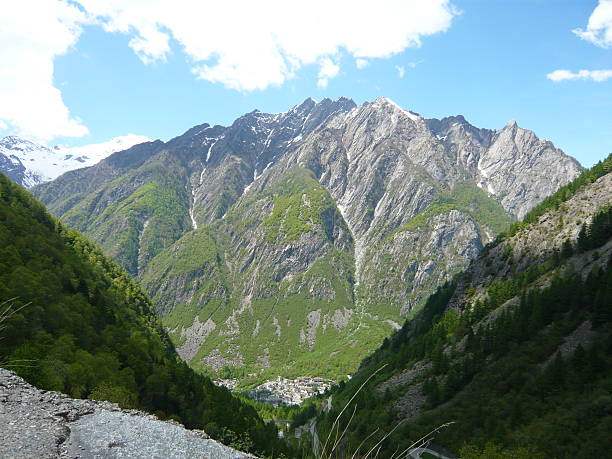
(314, 229)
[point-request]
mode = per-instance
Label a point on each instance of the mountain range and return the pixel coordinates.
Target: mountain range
(28, 163)
(429, 265)
(271, 244)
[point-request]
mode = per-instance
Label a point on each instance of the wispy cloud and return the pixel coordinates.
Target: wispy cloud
(599, 27)
(361, 63)
(401, 70)
(328, 70)
(598, 32)
(594, 75)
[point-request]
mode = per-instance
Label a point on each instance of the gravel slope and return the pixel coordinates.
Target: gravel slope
(40, 424)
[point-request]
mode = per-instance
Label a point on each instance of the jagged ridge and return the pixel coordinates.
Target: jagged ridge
(285, 238)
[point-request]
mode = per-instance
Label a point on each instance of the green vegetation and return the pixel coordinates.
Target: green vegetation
(160, 202)
(298, 205)
(87, 329)
(494, 451)
(467, 198)
(282, 321)
(562, 408)
(204, 275)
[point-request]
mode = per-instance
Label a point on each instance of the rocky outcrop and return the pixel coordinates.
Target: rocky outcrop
(520, 170)
(45, 424)
(536, 242)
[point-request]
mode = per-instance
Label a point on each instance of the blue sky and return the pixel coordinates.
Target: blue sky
(487, 60)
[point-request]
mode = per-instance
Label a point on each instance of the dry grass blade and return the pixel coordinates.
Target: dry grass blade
(339, 439)
(322, 455)
(384, 438)
(363, 441)
(6, 312)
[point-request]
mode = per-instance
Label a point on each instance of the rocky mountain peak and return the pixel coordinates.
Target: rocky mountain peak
(308, 104)
(520, 170)
(289, 231)
(17, 143)
(386, 104)
(512, 124)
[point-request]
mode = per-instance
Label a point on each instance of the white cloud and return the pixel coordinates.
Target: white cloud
(242, 44)
(361, 63)
(595, 75)
(247, 45)
(401, 70)
(328, 70)
(599, 27)
(33, 33)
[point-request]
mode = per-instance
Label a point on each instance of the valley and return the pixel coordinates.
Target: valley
(272, 244)
(507, 354)
(286, 292)
(322, 230)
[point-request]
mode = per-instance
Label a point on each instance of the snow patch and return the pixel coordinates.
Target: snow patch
(409, 114)
(482, 170)
(209, 152)
(255, 177)
(44, 163)
(193, 221)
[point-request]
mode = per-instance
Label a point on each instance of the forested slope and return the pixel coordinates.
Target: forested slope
(515, 352)
(84, 327)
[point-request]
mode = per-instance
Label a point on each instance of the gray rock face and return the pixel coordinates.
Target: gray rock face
(520, 170)
(49, 424)
(512, 164)
(13, 168)
(324, 224)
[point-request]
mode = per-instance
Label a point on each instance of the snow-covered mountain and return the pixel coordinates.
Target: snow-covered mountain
(28, 163)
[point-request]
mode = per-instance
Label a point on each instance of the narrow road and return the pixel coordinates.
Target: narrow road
(416, 453)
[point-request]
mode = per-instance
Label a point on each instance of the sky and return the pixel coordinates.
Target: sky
(75, 72)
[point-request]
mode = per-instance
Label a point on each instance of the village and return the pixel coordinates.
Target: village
(282, 391)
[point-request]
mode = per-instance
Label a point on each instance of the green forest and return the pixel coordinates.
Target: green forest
(75, 322)
(497, 389)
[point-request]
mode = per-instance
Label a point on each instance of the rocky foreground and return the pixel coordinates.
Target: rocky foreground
(42, 424)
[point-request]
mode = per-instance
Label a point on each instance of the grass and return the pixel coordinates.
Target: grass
(468, 198)
(299, 203)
